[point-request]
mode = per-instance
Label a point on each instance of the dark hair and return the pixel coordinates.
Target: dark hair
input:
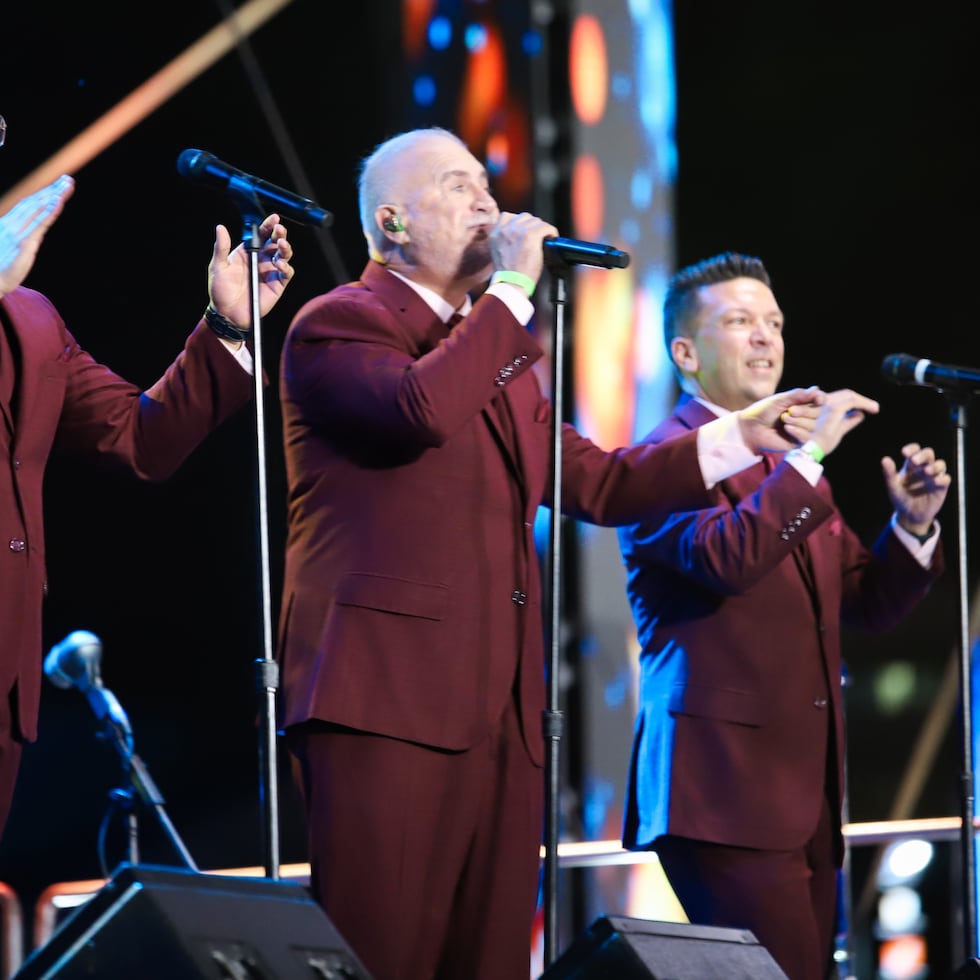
(680, 303)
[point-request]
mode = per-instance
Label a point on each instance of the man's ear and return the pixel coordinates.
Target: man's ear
(684, 354)
(389, 222)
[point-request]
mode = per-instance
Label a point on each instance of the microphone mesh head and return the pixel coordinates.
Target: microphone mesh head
(899, 368)
(75, 661)
(191, 161)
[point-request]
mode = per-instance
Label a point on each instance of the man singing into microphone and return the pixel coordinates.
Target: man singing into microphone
(54, 395)
(418, 445)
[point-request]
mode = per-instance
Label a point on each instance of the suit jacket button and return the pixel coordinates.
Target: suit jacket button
(518, 597)
(17, 545)
(820, 703)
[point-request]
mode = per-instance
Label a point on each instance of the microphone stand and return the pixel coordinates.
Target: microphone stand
(138, 776)
(958, 414)
(553, 720)
(267, 669)
(560, 255)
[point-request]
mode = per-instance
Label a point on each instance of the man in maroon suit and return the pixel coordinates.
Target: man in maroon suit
(736, 777)
(411, 646)
(56, 397)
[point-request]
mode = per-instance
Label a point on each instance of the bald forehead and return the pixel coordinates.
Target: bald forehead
(437, 155)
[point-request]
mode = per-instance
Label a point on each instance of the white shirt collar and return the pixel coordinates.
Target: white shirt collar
(434, 301)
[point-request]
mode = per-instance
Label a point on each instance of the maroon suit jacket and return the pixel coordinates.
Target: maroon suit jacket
(64, 400)
(739, 598)
(417, 459)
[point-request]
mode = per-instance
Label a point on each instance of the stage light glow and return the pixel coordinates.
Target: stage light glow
(588, 69)
(424, 90)
(588, 197)
(903, 958)
(416, 15)
(497, 153)
(476, 37)
(899, 911)
(440, 33)
(484, 89)
(894, 687)
(532, 43)
(905, 861)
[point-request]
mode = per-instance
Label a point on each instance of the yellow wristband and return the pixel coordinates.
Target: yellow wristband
(515, 279)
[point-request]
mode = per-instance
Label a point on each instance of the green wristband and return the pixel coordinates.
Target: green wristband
(811, 449)
(515, 279)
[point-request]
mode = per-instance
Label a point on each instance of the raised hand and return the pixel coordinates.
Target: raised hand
(23, 228)
(781, 421)
(917, 490)
(229, 271)
(843, 411)
(517, 243)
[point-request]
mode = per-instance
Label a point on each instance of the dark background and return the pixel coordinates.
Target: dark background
(833, 140)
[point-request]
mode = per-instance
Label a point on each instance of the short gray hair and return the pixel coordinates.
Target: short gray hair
(378, 172)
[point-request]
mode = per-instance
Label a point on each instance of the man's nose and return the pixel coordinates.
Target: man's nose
(485, 201)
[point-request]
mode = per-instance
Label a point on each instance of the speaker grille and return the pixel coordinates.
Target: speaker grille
(622, 948)
(155, 923)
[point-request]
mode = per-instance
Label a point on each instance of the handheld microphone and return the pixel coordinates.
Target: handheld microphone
(904, 369)
(76, 662)
(208, 169)
(560, 252)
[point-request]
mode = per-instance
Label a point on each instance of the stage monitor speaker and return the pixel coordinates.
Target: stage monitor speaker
(621, 948)
(156, 923)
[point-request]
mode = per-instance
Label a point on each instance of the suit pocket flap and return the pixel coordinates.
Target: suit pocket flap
(724, 704)
(394, 595)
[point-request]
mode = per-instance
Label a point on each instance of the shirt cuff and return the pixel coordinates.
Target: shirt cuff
(722, 451)
(241, 353)
(515, 300)
(806, 466)
(921, 551)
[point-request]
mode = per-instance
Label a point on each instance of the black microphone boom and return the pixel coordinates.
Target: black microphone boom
(904, 369)
(560, 252)
(208, 169)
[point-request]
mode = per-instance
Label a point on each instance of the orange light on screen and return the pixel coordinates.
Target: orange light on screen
(604, 379)
(484, 88)
(508, 155)
(903, 958)
(588, 195)
(416, 15)
(588, 69)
